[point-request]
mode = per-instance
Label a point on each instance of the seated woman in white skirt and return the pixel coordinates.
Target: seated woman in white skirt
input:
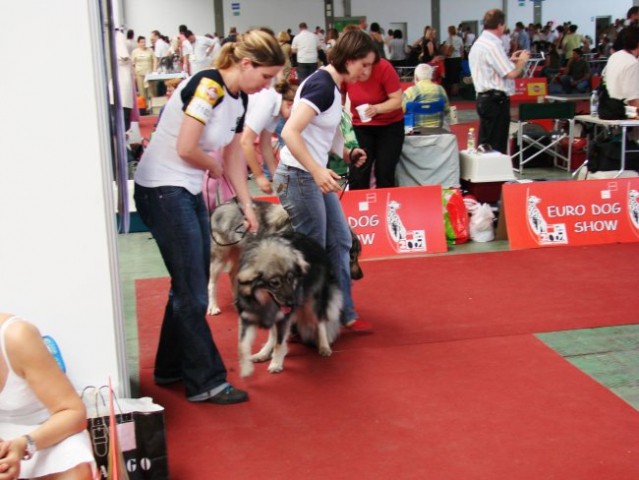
(42, 418)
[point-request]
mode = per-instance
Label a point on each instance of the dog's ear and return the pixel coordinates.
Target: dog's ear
(301, 262)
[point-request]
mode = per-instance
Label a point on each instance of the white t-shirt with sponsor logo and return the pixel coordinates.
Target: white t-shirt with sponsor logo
(205, 98)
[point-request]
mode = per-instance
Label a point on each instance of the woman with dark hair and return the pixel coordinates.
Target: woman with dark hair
(378, 38)
(205, 114)
(397, 49)
(426, 45)
(307, 187)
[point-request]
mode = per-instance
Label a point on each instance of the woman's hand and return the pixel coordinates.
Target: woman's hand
(10, 456)
(326, 180)
(357, 157)
(264, 184)
(250, 218)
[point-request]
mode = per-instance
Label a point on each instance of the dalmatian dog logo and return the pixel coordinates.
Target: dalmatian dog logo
(403, 240)
(633, 207)
(545, 233)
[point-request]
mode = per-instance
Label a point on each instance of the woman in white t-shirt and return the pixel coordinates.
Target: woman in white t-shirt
(264, 112)
(205, 114)
(307, 187)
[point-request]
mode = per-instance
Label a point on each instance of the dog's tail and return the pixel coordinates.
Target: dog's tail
(332, 312)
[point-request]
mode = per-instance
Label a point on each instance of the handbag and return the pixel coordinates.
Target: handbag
(610, 108)
(141, 435)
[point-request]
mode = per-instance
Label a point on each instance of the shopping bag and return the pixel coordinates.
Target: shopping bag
(141, 434)
(482, 220)
(456, 221)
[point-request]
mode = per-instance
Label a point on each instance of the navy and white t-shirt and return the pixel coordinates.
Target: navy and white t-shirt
(319, 92)
(205, 98)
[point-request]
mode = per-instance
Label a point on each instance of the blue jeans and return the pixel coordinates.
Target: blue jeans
(179, 222)
(319, 216)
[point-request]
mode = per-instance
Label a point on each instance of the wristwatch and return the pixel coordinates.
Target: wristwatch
(31, 449)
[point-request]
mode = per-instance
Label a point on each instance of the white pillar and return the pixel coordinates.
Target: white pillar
(58, 257)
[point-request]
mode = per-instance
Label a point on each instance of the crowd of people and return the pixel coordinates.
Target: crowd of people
(238, 93)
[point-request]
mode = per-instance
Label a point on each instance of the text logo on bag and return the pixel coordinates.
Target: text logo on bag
(132, 465)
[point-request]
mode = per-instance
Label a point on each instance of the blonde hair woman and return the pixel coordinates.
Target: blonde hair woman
(285, 44)
(205, 114)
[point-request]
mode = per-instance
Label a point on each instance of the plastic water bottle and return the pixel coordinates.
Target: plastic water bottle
(594, 104)
(470, 141)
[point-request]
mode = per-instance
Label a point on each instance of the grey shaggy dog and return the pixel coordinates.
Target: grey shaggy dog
(229, 234)
(283, 280)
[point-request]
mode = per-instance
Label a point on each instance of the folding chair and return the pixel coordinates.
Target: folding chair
(415, 109)
(546, 111)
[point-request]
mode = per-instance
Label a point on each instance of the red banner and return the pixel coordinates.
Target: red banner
(546, 214)
(397, 221)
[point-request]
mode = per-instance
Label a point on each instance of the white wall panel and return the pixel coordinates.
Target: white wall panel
(144, 16)
(57, 259)
(415, 13)
(279, 15)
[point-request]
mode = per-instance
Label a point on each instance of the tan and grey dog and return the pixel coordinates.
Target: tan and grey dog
(229, 235)
(284, 280)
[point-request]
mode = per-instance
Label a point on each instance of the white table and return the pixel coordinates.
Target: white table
(155, 76)
(623, 124)
(568, 97)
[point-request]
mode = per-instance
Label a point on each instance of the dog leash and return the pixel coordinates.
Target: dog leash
(240, 230)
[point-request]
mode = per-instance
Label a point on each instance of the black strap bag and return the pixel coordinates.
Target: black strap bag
(610, 108)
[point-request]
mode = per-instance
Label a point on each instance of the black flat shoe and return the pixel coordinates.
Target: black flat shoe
(228, 396)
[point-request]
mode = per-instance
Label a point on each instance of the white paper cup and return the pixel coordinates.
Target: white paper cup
(361, 111)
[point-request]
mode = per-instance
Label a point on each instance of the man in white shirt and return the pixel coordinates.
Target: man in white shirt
(621, 74)
(493, 76)
(305, 45)
(201, 52)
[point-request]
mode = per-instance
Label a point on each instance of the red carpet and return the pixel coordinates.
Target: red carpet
(449, 386)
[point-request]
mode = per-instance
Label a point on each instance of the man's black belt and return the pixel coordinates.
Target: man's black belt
(492, 93)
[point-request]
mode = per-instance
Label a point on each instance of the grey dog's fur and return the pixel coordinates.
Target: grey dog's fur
(284, 280)
(229, 234)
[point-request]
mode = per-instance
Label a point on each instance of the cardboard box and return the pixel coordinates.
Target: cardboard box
(484, 192)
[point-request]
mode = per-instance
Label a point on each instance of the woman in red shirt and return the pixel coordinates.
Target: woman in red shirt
(383, 135)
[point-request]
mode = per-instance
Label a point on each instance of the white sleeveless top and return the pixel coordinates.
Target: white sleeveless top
(21, 412)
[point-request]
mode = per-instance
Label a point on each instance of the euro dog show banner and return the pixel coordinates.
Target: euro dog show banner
(397, 221)
(547, 214)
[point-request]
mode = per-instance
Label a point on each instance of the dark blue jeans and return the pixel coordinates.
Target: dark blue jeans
(319, 216)
(179, 222)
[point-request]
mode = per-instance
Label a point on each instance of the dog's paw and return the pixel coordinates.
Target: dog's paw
(275, 367)
(246, 369)
(260, 357)
(325, 351)
(213, 310)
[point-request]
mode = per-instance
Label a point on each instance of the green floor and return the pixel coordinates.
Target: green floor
(609, 355)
